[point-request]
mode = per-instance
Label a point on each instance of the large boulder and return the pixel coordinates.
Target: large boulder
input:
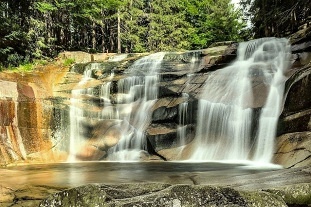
(160, 195)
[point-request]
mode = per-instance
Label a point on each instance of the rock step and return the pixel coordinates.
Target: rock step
(165, 136)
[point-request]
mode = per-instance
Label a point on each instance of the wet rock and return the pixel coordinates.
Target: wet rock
(6, 195)
(26, 195)
(298, 122)
(294, 149)
(162, 136)
(298, 89)
(99, 137)
(165, 109)
(301, 40)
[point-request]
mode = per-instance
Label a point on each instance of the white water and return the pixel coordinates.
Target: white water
(137, 94)
(225, 115)
(77, 114)
(182, 125)
(141, 87)
(184, 113)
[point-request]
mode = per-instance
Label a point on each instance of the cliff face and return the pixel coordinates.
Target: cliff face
(35, 113)
(26, 113)
(294, 141)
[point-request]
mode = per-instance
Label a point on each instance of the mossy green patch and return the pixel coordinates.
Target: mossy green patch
(295, 194)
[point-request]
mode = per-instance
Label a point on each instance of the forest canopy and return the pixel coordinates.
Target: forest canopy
(34, 29)
(278, 18)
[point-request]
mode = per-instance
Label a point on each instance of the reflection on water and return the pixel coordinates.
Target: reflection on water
(75, 174)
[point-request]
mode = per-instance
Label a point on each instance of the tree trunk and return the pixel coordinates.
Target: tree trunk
(94, 36)
(119, 32)
(103, 33)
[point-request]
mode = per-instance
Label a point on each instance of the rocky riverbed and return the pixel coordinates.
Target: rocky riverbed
(283, 187)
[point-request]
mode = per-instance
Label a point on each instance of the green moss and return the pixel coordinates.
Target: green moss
(68, 61)
(295, 194)
(27, 67)
(263, 199)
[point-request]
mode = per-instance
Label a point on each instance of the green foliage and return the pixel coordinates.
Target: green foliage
(38, 29)
(45, 7)
(23, 68)
(275, 17)
(68, 62)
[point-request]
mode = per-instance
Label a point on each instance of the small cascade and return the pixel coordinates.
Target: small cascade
(77, 114)
(184, 114)
(225, 114)
(105, 92)
(182, 122)
(81, 109)
(140, 89)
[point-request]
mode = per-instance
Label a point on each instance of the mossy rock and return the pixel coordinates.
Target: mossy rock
(294, 194)
(157, 194)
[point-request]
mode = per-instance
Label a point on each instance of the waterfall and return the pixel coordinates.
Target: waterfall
(141, 90)
(184, 109)
(77, 114)
(136, 95)
(226, 125)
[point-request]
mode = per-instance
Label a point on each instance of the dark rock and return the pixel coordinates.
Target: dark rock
(162, 136)
(166, 109)
(298, 122)
(160, 195)
(299, 38)
(298, 88)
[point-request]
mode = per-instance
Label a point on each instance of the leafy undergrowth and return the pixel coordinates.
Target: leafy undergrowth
(37, 65)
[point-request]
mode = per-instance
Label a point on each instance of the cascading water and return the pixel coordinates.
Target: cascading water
(141, 87)
(77, 114)
(184, 114)
(225, 115)
(136, 95)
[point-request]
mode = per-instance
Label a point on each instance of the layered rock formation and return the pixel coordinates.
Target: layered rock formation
(35, 107)
(26, 114)
(294, 141)
(182, 76)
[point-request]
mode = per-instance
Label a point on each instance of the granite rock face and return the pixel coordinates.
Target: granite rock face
(35, 108)
(293, 143)
(156, 194)
(26, 114)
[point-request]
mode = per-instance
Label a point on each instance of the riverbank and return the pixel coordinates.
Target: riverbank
(216, 184)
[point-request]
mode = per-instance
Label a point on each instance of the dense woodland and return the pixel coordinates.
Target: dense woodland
(41, 28)
(277, 18)
(36, 29)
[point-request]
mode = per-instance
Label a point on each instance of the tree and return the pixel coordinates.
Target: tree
(167, 28)
(277, 17)
(33, 29)
(213, 21)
